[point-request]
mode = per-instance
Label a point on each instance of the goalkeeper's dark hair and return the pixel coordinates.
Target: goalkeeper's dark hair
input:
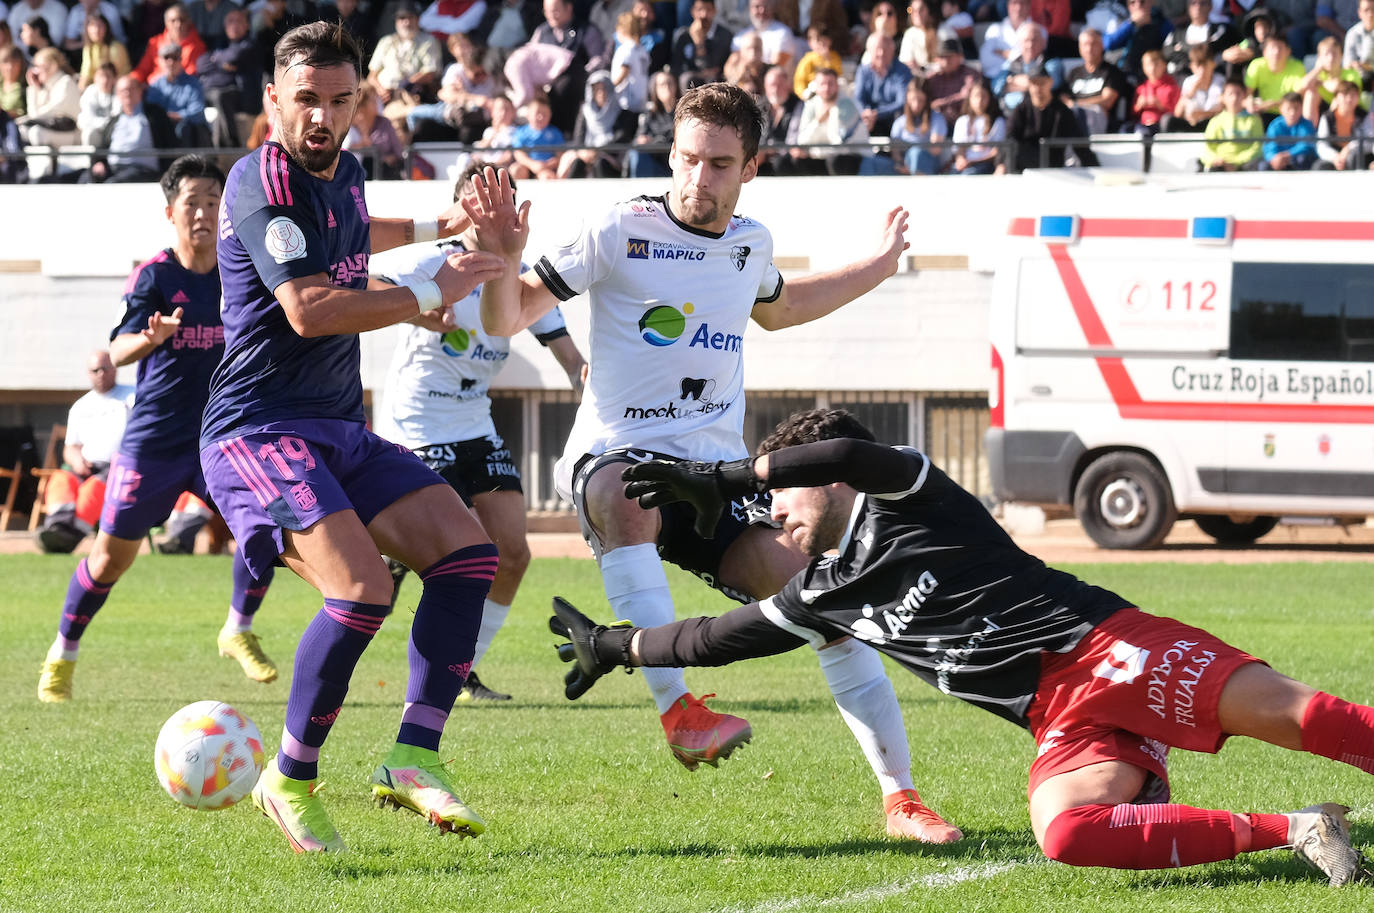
(812, 426)
(317, 44)
(189, 167)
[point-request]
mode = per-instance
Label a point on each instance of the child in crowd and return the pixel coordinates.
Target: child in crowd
(821, 56)
(1232, 135)
(1272, 76)
(1319, 86)
(1200, 95)
(923, 128)
(630, 63)
(1290, 124)
(1345, 119)
(501, 133)
(1156, 97)
(538, 130)
(980, 123)
(12, 96)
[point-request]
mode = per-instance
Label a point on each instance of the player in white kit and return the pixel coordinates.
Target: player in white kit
(436, 403)
(672, 282)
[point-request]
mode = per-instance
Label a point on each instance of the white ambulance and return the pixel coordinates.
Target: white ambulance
(1205, 354)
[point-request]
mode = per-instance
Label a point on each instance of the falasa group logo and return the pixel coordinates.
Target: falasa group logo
(662, 324)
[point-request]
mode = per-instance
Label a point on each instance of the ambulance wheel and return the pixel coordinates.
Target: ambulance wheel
(1123, 501)
(1233, 532)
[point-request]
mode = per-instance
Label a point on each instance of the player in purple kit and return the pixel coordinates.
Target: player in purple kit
(290, 461)
(171, 327)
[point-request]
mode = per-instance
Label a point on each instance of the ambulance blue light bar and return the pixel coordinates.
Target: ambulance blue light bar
(1057, 229)
(1211, 229)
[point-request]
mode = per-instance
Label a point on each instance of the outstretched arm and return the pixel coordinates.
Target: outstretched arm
(385, 234)
(501, 226)
(806, 299)
(743, 633)
(127, 348)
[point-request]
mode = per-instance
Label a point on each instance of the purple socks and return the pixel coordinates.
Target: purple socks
(443, 639)
(248, 593)
(325, 657)
(84, 599)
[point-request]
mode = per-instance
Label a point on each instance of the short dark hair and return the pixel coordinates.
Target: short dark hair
(40, 25)
(719, 104)
(812, 426)
(317, 44)
(473, 168)
(189, 167)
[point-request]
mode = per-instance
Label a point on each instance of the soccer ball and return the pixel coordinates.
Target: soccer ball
(208, 755)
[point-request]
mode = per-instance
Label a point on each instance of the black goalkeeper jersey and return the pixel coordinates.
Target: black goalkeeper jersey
(929, 578)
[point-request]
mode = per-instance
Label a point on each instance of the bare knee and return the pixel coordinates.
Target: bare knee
(618, 521)
(1263, 704)
(515, 557)
(110, 558)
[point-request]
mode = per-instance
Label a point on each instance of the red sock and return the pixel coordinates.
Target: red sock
(1267, 832)
(1339, 730)
(1143, 836)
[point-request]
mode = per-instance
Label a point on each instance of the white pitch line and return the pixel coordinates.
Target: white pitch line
(883, 891)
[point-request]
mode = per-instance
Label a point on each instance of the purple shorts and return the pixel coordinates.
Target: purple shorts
(140, 493)
(291, 475)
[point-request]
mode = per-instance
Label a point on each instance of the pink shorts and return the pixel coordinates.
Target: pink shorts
(1135, 687)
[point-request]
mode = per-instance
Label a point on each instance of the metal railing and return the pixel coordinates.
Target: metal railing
(877, 146)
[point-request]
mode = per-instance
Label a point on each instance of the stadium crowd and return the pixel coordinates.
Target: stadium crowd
(572, 88)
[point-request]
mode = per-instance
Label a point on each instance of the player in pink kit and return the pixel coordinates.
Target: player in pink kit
(171, 327)
(291, 463)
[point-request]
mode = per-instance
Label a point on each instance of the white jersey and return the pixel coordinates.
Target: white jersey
(436, 388)
(96, 422)
(669, 304)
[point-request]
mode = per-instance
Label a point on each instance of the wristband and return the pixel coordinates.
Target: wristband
(427, 295)
(736, 477)
(426, 229)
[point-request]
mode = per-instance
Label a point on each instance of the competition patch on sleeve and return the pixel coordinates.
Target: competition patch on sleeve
(284, 240)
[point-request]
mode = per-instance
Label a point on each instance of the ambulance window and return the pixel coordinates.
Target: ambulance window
(1302, 312)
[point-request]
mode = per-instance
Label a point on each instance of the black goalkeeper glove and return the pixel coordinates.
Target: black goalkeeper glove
(708, 487)
(581, 649)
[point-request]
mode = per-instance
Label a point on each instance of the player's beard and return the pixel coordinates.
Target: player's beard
(698, 212)
(315, 160)
(825, 533)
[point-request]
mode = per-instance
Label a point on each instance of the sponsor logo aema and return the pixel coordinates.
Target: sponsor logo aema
(662, 324)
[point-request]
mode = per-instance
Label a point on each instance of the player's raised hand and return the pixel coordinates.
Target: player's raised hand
(707, 487)
(499, 224)
(580, 650)
(463, 271)
(894, 241)
(162, 328)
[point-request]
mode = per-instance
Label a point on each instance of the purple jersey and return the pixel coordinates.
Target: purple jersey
(174, 379)
(276, 223)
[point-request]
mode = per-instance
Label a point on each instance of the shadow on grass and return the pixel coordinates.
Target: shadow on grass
(1250, 869)
(980, 846)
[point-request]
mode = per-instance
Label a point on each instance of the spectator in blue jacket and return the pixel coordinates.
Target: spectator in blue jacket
(880, 85)
(181, 96)
(1289, 156)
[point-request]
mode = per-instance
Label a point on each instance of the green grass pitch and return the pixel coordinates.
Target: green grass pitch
(587, 811)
